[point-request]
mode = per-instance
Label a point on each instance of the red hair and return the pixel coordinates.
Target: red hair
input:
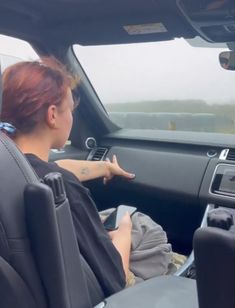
(29, 88)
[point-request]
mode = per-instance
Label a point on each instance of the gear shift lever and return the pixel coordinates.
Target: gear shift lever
(220, 218)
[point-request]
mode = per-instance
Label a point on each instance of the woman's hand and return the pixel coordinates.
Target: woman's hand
(113, 169)
(124, 227)
(121, 239)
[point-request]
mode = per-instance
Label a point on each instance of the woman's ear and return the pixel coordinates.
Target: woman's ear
(51, 116)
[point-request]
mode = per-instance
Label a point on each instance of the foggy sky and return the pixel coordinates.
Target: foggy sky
(162, 70)
(147, 71)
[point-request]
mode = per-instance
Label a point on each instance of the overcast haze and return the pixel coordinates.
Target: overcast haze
(150, 71)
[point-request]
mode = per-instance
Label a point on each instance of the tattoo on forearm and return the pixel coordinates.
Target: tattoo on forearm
(100, 165)
(85, 171)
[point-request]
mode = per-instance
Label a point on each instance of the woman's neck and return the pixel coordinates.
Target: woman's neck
(34, 144)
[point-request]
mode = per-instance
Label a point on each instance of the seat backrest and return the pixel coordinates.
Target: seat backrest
(14, 245)
(54, 245)
(214, 251)
(40, 263)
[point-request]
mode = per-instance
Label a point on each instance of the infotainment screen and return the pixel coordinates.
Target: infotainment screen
(224, 180)
(227, 183)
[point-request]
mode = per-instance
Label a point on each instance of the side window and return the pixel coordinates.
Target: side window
(13, 50)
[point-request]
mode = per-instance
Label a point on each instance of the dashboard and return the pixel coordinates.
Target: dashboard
(176, 180)
(200, 173)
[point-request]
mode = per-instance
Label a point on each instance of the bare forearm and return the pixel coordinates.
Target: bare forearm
(89, 170)
(84, 170)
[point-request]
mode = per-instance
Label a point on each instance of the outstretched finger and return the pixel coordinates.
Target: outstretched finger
(128, 175)
(114, 160)
(122, 172)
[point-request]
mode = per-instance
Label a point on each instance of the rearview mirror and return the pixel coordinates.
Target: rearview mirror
(227, 60)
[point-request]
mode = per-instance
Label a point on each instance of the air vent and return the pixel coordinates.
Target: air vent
(97, 154)
(231, 154)
(223, 154)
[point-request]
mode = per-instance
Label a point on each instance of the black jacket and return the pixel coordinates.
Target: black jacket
(93, 240)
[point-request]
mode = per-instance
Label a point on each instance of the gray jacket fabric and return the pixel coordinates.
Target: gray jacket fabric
(151, 254)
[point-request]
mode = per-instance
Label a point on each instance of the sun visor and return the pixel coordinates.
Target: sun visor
(128, 29)
(94, 22)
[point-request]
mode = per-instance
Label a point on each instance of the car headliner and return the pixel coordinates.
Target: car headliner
(96, 22)
(90, 22)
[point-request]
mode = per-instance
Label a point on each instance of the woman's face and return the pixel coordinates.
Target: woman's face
(64, 120)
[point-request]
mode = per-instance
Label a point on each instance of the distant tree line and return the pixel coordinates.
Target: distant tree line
(194, 115)
(177, 106)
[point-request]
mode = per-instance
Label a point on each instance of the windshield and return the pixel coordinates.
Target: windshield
(163, 85)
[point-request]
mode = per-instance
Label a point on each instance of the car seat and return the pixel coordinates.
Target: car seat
(214, 257)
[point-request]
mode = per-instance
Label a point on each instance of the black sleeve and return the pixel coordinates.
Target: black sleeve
(94, 242)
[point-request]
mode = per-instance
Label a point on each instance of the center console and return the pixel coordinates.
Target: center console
(218, 192)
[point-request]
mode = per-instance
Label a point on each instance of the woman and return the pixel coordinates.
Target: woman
(38, 104)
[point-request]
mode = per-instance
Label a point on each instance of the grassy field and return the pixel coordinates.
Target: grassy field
(180, 107)
(174, 106)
